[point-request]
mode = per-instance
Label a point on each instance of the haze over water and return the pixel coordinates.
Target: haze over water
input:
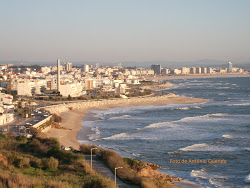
(217, 129)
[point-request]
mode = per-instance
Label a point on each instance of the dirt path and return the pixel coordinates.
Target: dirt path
(101, 168)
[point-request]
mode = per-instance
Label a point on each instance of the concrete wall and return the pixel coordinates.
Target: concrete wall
(42, 122)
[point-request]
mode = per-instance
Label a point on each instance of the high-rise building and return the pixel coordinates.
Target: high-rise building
(198, 70)
(185, 70)
(192, 70)
(210, 70)
(58, 75)
(204, 70)
(85, 68)
(68, 66)
(156, 68)
(230, 67)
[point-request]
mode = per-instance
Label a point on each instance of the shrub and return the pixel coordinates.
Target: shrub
(36, 163)
(21, 139)
(133, 164)
(86, 149)
(57, 118)
(50, 162)
(113, 160)
(21, 162)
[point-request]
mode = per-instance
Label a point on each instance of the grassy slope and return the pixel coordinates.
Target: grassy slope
(40, 162)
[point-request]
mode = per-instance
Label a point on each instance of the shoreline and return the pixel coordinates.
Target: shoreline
(72, 119)
(74, 131)
(192, 76)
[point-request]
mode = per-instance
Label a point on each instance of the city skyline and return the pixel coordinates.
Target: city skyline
(119, 31)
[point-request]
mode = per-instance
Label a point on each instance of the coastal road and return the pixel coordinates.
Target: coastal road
(101, 168)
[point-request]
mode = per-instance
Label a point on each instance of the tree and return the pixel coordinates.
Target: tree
(69, 98)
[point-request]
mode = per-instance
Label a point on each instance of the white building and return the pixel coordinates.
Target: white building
(165, 71)
(6, 98)
(29, 87)
(198, 70)
(177, 71)
(74, 90)
(192, 70)
(204, 70)
(45, 70)
(6, 118)
(185, 70)
(85, 68)
(68, 67)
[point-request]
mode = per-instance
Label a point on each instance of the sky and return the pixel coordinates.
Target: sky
(124, 30)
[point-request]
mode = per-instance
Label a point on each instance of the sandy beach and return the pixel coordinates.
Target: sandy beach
(71, 119)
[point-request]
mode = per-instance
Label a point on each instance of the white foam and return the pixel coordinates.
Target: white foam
(198, 174)
(159, 125)
(117, 136)
(184, 108)
(247, 179)
(214, 179)
(195, 147)
(95, 136)
(186, 119)
(208, 147)
(196, 107)
(187, 108)
(136, 154)
(244, 104)
(217, 115)
(120, 117)
(227, 136)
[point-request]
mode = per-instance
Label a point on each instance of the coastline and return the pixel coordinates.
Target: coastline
(190, 76)
(71, 119)
(71, 123)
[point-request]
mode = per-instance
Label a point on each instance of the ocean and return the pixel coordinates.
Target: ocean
(209, 142)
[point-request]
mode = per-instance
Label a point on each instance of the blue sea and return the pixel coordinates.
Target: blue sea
(218, 129)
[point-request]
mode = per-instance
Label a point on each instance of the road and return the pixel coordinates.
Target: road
(101, 168)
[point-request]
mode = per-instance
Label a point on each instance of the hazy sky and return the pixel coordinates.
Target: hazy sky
(124, 30)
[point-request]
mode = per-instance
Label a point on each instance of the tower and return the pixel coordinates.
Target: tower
(58, 75)
(230, 67)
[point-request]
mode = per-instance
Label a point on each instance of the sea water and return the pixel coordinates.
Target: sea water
(218, 129)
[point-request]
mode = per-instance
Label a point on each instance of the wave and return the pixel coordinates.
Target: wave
(187, 108)
(247, 179)
(186, 119)
(217, 115)
(244, 104)
(214, 179)
(227, 136)
(198, 174)
(184, 108)
(96, 135)
(209, 147)
(117, 136)
(120, 117)
(136, 154)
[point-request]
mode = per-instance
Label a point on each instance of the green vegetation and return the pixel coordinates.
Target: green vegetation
(130, 173)
(23, 111)
(137, 93)
(39, 163)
